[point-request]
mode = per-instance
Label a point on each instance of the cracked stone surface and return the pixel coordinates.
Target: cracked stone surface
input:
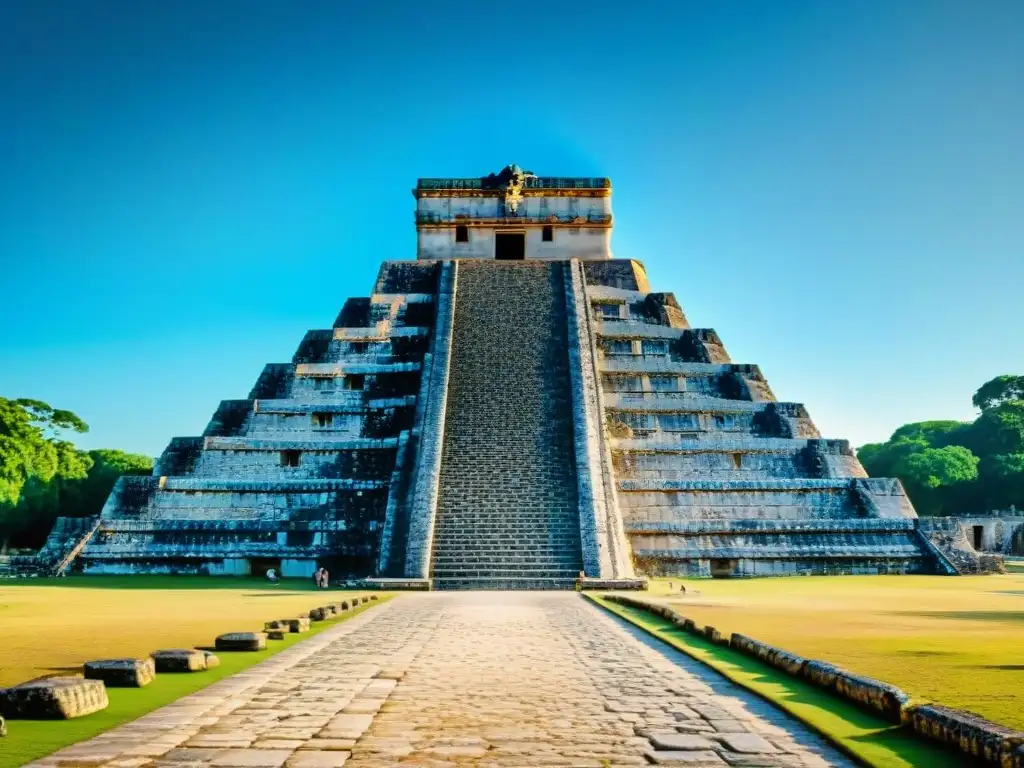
(465, 678)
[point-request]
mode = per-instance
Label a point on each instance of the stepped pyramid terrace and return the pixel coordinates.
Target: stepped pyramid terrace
(511, 409)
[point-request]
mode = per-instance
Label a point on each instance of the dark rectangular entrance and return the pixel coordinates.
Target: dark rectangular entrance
(510, 246)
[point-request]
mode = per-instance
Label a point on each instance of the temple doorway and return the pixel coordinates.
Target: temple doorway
(510, 245)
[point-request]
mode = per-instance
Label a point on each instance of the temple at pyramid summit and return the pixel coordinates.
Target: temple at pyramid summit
(511, 409)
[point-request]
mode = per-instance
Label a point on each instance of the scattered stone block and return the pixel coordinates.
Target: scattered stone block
(54, 698)
(179, 660)
(373, 597)
(121, 673)
(3, 727)
(298, 624)
(885, 699)
(211, 659)
(278, 624)
(344, 605)
(242, 641)
(318, 614)
(968, 733)
(276, 634)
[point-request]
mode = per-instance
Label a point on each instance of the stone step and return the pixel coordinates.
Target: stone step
(453, 561)
(504, 573)
(481, 549)
(505, 583)
(507, 507)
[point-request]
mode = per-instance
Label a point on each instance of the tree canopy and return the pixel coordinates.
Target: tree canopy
(954, 467)
(43, 475)
(1001, 389)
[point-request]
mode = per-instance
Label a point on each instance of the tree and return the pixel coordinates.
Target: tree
(999, 429)
(952, 467)
(108, 465)
(938, 467)
(31, 451)
(1001, 389)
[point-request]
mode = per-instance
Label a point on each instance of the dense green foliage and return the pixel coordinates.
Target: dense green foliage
(959, 467)
(43, 475)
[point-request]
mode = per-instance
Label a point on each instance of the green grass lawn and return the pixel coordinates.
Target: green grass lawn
(957, 641)
(858, 733)
(53, 626)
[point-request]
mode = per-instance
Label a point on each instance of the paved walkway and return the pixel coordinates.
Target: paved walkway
(457, 678)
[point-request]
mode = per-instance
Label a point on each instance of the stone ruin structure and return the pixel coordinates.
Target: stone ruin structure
(511, 409)
(1000, 531)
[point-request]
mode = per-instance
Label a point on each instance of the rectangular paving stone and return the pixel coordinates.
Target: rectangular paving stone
(307, 759)
(747, 742)
(331, 744)
(252, 758)
(690, 758)
(191, 754)
(680, 741)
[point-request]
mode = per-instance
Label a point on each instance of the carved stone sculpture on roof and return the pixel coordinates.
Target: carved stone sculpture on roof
(511, 179)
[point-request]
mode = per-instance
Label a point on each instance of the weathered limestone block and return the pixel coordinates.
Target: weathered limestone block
(968, 733)
(769, 654)
(885, 699)
(298, 624)
(373, 597)
(821, 673)
(712, 634)
(179, 660)
(121, 673)
(276, 634)
(242, 641)
(3, 727)
(679, 620)
(54, 698)
(321, 614)
(212, 660)
(343, 605)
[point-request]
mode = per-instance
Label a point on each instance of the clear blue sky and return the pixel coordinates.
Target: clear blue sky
(188, 186)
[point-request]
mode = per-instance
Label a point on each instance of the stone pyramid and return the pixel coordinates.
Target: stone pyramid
(512, 409)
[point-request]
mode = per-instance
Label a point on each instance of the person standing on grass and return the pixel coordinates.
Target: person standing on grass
(318, 577)
(325, 579)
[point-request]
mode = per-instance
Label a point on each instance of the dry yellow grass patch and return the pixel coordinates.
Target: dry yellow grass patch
(955, 641)
(52, 626)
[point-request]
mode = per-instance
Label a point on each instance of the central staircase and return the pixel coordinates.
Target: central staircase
(507, 515)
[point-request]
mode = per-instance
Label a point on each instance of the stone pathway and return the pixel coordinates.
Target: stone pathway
(465, 678)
